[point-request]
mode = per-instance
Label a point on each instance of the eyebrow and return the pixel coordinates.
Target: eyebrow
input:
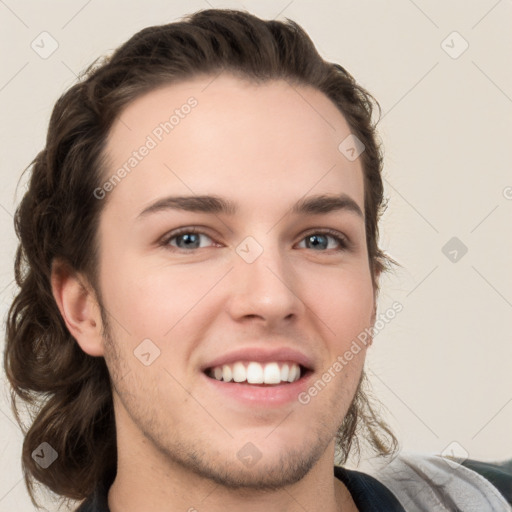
(312, 205)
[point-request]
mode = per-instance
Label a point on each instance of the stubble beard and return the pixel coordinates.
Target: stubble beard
(197, 456)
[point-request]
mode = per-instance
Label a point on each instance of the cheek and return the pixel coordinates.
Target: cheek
(164, 302)
(344, 301)
(150, 301)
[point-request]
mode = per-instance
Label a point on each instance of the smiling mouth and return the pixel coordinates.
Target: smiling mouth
(273, 373)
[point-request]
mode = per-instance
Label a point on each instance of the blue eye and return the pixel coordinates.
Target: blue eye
(188, 239)
(320, 239)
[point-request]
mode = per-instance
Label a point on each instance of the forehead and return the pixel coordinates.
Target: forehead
(233, 137)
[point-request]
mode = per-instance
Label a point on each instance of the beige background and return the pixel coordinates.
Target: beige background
(442, 366)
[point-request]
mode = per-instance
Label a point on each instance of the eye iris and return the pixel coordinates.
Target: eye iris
(188, 237)
(314, 240)
(191, 240)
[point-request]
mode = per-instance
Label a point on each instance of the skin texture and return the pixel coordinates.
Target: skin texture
(264, 146)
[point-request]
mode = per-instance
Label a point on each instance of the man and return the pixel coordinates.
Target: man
(200, 247)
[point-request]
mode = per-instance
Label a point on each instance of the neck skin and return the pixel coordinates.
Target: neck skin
(148, 480)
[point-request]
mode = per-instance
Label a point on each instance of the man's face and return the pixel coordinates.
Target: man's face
(263, 286)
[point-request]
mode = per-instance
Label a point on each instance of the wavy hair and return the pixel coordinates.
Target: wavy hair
(67, 392)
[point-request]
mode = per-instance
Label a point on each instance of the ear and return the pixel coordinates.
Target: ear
(377, 273)
(374, 312)
(375, 297)
(78, 306)
(374, 316)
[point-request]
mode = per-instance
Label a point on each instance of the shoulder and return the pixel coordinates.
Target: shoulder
(433, 482)
(499, 474)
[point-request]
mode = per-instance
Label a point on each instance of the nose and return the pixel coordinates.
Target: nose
(265, 288)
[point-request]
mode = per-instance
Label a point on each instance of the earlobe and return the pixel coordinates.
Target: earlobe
(78, 306)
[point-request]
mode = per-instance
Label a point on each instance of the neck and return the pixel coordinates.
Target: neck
(152, 491)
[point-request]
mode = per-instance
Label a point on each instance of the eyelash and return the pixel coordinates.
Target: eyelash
(343, 242)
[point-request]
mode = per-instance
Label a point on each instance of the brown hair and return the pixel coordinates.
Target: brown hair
(68, 392)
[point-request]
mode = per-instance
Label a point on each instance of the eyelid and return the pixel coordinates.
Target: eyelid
(198, 230)
(344, 242)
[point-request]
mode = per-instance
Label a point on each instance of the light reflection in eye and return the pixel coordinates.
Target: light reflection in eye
(188, 239)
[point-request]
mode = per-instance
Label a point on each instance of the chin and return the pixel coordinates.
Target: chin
(267, 472)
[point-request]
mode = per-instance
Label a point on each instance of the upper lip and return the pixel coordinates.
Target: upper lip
(261, 355)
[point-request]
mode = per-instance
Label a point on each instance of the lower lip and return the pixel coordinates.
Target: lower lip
(267, 396)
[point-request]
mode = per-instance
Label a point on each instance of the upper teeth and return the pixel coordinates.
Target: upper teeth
(257, 373)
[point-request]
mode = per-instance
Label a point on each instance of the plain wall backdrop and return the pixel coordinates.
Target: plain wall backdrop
(442, 72)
